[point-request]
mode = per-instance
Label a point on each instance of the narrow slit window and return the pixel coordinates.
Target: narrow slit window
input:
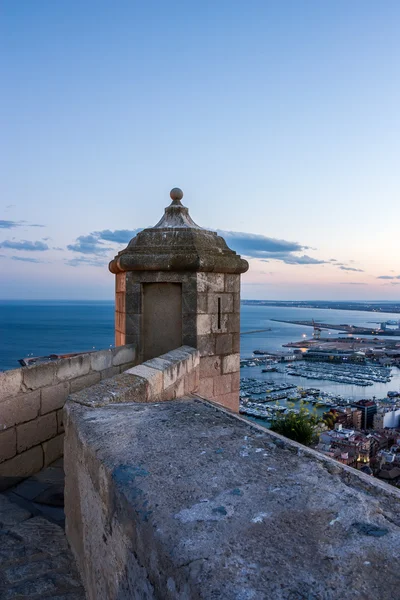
(219, 313)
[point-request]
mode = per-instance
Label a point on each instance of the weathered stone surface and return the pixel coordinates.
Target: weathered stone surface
(71, 368)
(99, 361)
(21, 465)
(8, 444)
(242, 513)
(154, 378)
(38, 376)
(111, 372)
(60, 421)
(54, 397)
(19, 409)
(53, 449)
(85, 381)
(206, 387)
(10, 383)
(37, 431)
(231, 363)
(224, 344)
(210, 282)
(210, 366)
(223, 385)
(232, 283)
(123, 355)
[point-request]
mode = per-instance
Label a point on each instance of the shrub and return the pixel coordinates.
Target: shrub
(296, 426)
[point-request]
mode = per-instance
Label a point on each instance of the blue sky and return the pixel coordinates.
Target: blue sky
(279, 120)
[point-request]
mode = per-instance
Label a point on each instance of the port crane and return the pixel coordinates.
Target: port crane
(317, 331)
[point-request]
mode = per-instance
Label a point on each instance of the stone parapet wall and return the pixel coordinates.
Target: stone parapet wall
(31, 402)
(182, 499)
(166, 377)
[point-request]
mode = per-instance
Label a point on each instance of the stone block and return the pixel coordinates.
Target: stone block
(8, 444)
(53, 449)
(210, 366)
(10, 383)
(224, 343)
(85, 381)
(189, 303)
(222, 385)
(210, 282)
(60, 421)
(226, 303)
(22, 465)
(99, 361)
(133, 324)
(112, 371)
(154, 378)
(54, 397)
(206, 344)
(234, 323)
(19, 409)
(220, 324)
(231, 363)
(232, 283)
(189, 330)
(133, 302)
(173, 373)
(236, 302)
(236, 381)
(202, 303)
(192, 381)
(120, 282)
(38, 376)
(37, 431)
(70, 368)
(203, 324)
(229, 401)
(123, 355)
(206, 387)
(236, 342)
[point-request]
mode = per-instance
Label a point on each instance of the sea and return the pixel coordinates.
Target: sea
(39, 328)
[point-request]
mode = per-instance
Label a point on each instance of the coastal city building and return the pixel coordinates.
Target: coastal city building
(368, 409)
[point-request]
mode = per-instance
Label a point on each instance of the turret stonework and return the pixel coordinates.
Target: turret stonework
(178, 284)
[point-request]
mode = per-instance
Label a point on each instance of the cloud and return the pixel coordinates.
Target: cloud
(13, 224)
(81, 260)
(352, 283)
(26, 259)
(88, 244)
(8, 224)
(343, 268)
(24, 245)
(395, 283)
(119, 236)
(388, 277)
(259, 246)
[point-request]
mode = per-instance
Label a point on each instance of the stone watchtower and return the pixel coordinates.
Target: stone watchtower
(178, 284)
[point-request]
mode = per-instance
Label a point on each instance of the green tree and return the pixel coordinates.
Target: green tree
(296, 426)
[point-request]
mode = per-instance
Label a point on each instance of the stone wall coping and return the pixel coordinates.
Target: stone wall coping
(151, 381)
(26, 379)
(212, 505)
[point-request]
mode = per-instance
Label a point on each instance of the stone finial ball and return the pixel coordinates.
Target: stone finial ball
(176, 194)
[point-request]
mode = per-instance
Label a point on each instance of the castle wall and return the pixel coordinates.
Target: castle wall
(31, 403)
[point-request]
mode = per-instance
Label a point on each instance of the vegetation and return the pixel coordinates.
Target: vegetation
(299, 427)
